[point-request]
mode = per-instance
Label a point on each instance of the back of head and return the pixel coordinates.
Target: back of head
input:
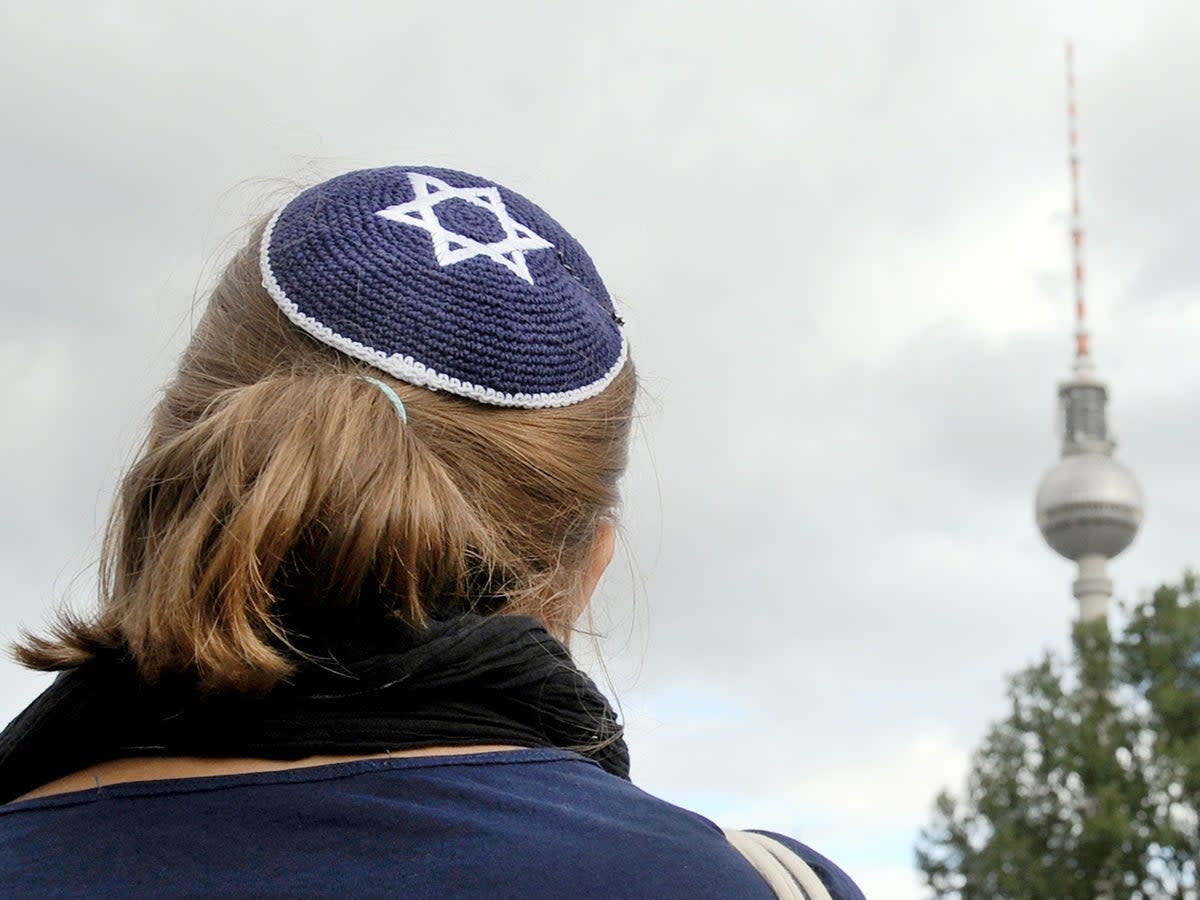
(408, 397)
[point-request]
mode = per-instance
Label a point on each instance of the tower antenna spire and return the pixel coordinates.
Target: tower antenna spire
(1083, 359)
(1088, 506)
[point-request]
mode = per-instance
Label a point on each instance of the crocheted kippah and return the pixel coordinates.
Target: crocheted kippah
(448, 281)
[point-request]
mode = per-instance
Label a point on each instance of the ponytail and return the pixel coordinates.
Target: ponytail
(292, 479)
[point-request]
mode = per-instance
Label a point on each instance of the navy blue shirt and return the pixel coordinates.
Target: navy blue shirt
(514, 824)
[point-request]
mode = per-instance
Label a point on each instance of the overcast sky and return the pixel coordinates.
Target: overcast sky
(838, 233)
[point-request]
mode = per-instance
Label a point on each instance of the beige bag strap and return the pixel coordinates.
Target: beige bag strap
(788, 875)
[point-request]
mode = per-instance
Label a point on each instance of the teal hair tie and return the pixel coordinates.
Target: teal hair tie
(391, 395)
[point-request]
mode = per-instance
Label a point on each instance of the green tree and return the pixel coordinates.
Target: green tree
(1090, 786)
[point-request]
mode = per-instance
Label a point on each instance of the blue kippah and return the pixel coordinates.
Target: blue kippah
(448, 281)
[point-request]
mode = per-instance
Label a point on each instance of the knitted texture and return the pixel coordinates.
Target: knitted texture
(448, 281)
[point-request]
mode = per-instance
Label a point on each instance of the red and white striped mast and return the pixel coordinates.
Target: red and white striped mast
(1083, 361)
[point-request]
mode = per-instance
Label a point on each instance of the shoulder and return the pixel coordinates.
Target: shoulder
(669, 831)
(692, 834)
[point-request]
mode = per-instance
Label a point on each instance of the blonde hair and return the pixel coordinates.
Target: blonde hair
(274, 477)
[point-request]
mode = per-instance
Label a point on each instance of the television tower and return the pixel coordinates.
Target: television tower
(1088, 505)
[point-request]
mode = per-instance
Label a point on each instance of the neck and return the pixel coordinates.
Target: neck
(165, 768)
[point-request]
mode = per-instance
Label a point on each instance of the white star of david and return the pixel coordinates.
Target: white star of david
(450, 247)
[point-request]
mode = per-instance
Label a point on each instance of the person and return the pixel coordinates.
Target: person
(340, 580)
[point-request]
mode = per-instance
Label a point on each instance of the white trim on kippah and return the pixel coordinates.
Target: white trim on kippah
(408, 369)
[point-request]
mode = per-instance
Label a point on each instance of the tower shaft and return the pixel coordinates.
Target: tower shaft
(1093, 588)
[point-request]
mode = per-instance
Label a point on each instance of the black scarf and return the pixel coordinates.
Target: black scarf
(470, 680)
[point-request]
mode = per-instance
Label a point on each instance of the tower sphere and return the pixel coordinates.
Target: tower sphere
(1088, 503)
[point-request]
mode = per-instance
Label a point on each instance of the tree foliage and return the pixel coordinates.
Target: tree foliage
(1090, 786)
